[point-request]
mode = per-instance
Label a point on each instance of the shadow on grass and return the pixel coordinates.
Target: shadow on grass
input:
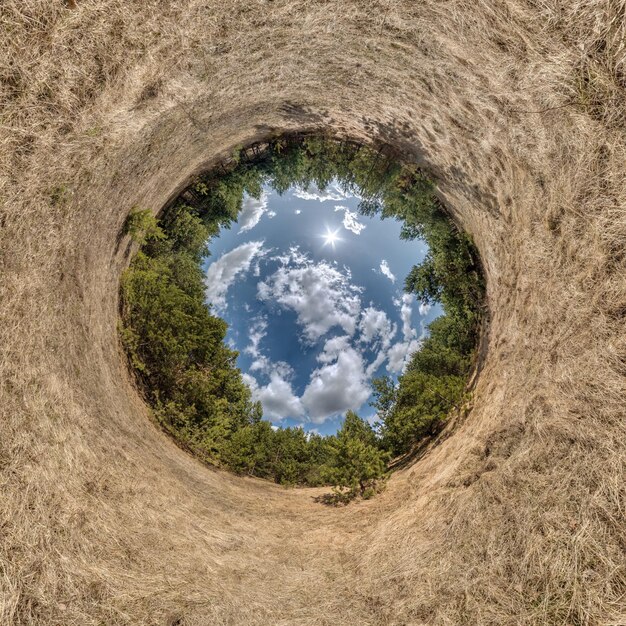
(336, 498)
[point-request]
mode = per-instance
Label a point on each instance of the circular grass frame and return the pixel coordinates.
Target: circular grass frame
(517, 111)
(189, 376)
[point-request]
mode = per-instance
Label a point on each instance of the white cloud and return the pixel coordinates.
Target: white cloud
(252, 210)
(375, 324)
(258, 331)
(333, 193)
(376, 328)
(317, 293)
(406, 311)
(266, 366)
(277, 398)
(381, 357)
(350, 220)
(271, 214)
(222, 273)
(298, 211)
(339, 385)
(320, 294)
(333, 348)
(384, 268)
(261, 363)
(318, 195)
(424, 308)
(400, 353)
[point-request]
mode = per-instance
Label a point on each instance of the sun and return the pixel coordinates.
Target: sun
(331, 237)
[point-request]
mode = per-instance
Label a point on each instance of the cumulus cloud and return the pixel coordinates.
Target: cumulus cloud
(424, 308)
(323, 298)
(298, 211)
(277, 397)
(375, 324)
(321, 295)
(377, 330)
(385, 269)
(333, 193)
(271, 214)
(406, 311)
(339, 385)
(400, 353)
(318, 195)
(342, 380)
(252, 210)
(333, 348)
(381, 357)
(261, 363)
(266, 366)
(222, 273)
(350, 220)
(258, 331)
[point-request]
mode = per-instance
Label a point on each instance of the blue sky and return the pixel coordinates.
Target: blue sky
(312, 293)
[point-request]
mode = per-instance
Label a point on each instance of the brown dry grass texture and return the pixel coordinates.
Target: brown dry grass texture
(519, 110)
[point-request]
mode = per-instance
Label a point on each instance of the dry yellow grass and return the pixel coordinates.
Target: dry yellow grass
(519, 110)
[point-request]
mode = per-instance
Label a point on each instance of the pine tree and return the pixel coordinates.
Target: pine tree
(358, 462)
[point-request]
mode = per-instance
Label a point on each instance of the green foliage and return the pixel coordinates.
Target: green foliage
(142, 226)
(287, 455)
(176, 346)
(421, 401)
(60, 195)
(357, 461)
(435, 378)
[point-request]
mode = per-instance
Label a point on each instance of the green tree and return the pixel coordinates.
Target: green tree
(358, 461)
(385, 393)
(142, 226)
(422, 403)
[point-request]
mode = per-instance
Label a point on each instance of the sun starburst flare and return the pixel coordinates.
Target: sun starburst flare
(331, 237)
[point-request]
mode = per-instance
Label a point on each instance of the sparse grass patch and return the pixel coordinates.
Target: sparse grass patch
(60, 195)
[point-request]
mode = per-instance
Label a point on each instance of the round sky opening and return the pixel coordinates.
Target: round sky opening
(312, 291)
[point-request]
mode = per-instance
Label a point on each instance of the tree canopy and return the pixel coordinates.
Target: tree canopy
(189, 375)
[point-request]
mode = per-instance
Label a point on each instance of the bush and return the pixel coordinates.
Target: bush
(357, 460)
(141, 225)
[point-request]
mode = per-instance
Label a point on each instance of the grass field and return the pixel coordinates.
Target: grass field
(517, 109)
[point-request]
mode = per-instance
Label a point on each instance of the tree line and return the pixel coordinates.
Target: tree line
(189, 376)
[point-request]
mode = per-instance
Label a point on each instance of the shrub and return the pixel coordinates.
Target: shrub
(141, 225)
